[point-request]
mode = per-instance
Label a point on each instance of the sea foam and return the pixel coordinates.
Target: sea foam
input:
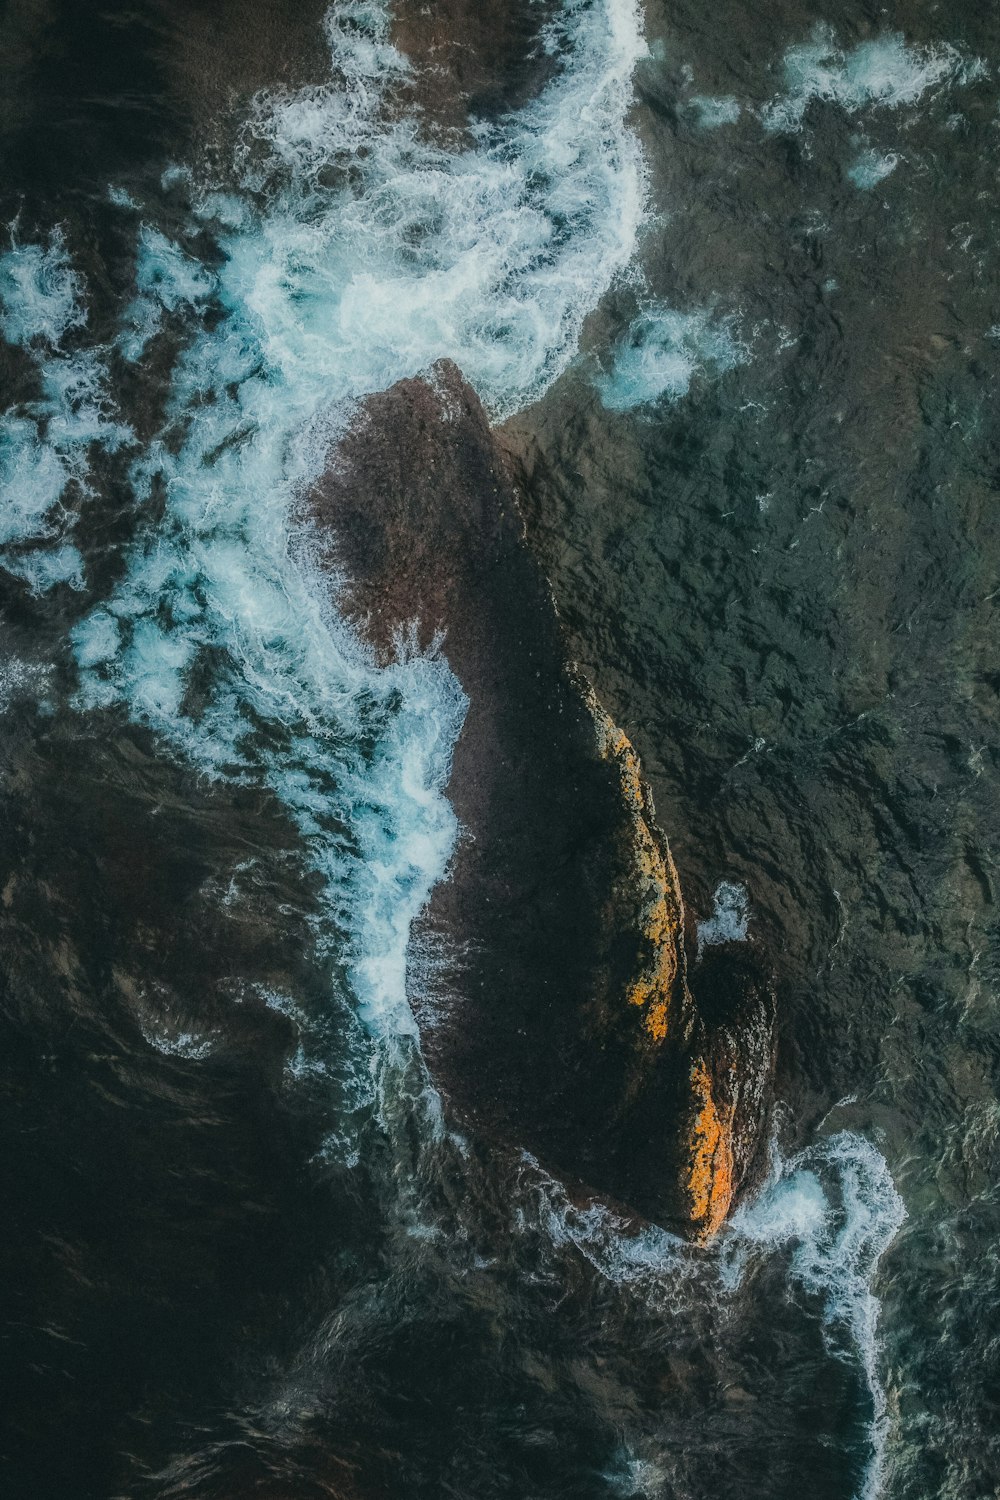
(730, 919)
(835, 1207)
(830, 1212)
(884, 73)
(712, 110)
(662, 352)
(47, 442)
(872, 167)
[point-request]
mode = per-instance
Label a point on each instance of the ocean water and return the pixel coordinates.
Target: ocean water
(250, 1253)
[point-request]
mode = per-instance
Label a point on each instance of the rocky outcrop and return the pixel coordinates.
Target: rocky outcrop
(569, 1026)
(473, 60)
(722, 1135)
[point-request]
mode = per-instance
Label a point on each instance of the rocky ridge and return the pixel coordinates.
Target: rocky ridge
(571, 1025)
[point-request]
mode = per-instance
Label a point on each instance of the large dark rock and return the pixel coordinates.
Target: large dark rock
(568, 1026)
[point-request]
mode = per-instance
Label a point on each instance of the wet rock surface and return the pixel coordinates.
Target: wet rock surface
(568, 1025)
(472, 60)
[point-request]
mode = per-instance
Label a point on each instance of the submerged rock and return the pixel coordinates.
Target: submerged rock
(472, 60)
(568, 1026)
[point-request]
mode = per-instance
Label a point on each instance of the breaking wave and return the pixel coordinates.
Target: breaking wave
(830, 1212)
(354, 251)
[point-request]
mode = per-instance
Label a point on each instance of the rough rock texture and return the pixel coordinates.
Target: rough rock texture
(471, 59)
(569, 1027)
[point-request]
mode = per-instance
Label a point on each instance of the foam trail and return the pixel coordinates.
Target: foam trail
(711, 111)
(832, 1211)
(837, 1206)
(647, 1258)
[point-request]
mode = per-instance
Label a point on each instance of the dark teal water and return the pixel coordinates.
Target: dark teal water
(246, 1253)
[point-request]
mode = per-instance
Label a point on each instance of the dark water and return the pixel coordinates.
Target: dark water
(244, 1254)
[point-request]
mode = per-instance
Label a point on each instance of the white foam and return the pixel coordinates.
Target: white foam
(646, 1258)
(46, 443)
(632, 1476)
(714, 110)
(166, 279)
(492, 256)
(730, 919)
(188, 1044)
(44, 568)
(836, 1208)
(40, 294)
(884, 73)
(871, 167)
(19, 678)
(830, 1212)
(661, 354)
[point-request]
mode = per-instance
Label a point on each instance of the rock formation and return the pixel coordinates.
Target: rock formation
(570, 1027)
(473, 60)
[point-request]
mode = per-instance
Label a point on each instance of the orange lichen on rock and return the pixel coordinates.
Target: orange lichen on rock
(653, 878)
(656, 1020)
(708, 1179)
